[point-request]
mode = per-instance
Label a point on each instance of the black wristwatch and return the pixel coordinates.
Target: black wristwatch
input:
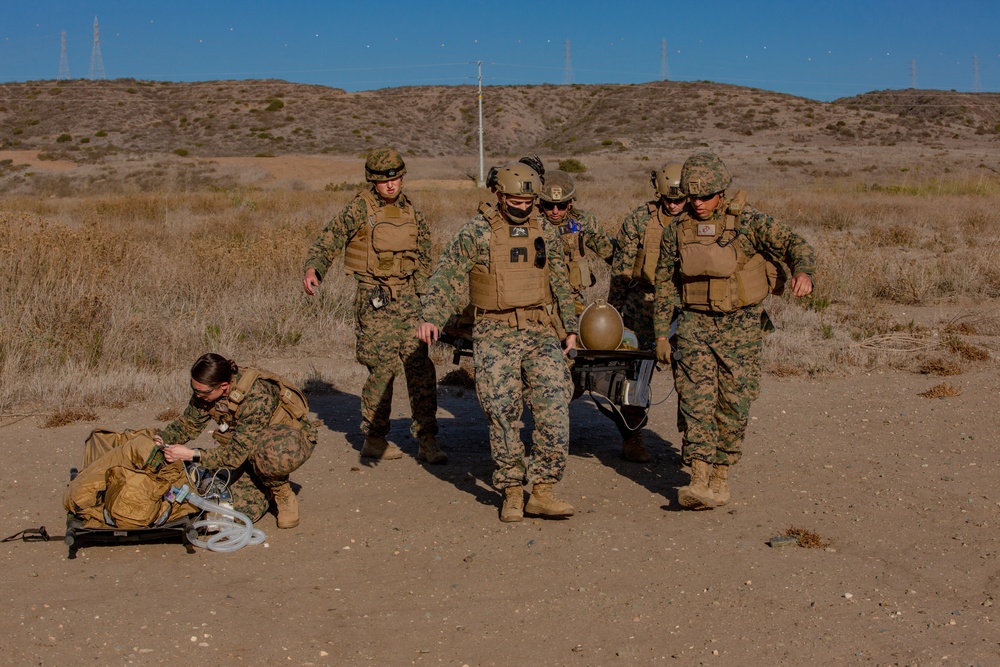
(196, 457)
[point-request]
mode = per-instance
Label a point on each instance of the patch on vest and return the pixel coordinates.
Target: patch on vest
(706, 230)
(516, 232)
(571, 227)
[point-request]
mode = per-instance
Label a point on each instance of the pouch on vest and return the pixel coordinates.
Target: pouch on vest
(708, 260)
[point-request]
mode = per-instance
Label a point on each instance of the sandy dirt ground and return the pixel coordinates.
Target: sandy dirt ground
(402, 563)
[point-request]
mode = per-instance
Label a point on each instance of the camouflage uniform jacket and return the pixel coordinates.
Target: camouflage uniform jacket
(252, 417)
(758, 233)
(339, 231)
(471, 246)
(594, 236)
(626, 246)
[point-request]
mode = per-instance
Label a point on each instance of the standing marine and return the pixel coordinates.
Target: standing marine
(387, 248)
(717, 263)
(633, 269)
(513, 267)
(579, 230)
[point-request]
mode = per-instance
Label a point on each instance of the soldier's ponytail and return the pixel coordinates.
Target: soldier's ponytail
(213, 369)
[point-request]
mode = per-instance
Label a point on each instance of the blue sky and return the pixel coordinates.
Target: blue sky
(817, 49)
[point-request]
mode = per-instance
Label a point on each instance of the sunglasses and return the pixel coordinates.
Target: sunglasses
(703, 197)
(202, 393)
(553, 205)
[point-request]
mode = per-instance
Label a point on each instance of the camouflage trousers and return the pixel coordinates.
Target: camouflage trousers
(387, 343)
(516, 369)
(717, 378)
(278, 452)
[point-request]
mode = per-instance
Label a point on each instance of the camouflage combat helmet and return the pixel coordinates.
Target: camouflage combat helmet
(704, 174)
(517, 180)
(558, 187)
(667, 181)
(601, 327)
(384, 164)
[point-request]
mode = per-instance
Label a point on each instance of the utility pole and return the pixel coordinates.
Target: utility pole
(63, 60)
(568, 72)
(664, 70)
(482, 174)
(975, 74)
(96, 62)
(913, 73)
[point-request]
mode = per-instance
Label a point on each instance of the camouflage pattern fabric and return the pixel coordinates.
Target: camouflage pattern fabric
(513, 366)
(471, 246)
(386, 345)
(633, 297)
(704, 174)
(385, 340)
(594, 238)
(333, 239)
(718, 374)
(260, 455)
(717, 378)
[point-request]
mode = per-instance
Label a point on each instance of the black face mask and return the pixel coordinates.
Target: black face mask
(516, 215)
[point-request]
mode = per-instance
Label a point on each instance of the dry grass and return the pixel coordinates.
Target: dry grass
(939, 366)
(943, 390)
(107, 299)
(64, 417)
(807, 538)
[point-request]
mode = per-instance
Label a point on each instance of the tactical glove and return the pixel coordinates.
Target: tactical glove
(663, 350)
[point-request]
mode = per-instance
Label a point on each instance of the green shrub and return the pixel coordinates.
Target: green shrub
(63, 138)
(183, 152)
(572, 166)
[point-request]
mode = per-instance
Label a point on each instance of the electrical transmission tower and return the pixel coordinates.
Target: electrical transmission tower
(975, 74)
(664, 70)
(63, 60)
(568, 71)
(96, 62)
(913, 73)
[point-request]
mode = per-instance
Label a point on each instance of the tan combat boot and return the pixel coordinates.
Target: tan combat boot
(381, 449)
(513, 504)
(718, 482)
(697, 495)
(429, 450)
(287, 504)
(633, 448)
(542, 502)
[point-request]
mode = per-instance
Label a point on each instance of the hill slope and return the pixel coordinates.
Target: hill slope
(86, 121)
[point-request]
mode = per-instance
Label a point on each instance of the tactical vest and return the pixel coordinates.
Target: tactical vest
(385, 246)
(716, 275)
(291, 410)
(573, 245)
(518, 274)
(648, 253)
